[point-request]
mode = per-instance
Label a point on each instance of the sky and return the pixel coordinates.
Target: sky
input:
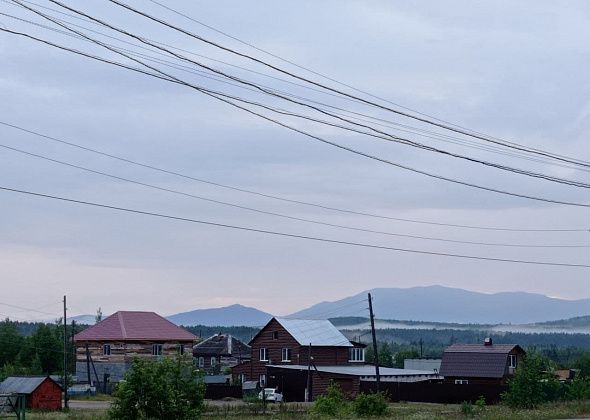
(515, 71)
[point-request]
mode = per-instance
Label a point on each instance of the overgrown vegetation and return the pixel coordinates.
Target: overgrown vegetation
(334, 404)
(370, 405)
(159, 389)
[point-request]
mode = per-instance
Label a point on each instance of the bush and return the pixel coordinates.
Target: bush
(162, 389)
(332, 403)
(467, 409)
(579, 389)
(533, 384)
(471, 410)
(370, 405)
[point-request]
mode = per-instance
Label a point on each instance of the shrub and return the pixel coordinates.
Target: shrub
(532, 384)
(161, 389)
(332, 403)
(374, 404)
(579, 389)
(467, 409)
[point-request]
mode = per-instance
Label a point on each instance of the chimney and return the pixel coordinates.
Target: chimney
(487, 341)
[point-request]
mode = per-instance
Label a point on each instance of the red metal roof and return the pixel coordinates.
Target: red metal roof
(133, 326)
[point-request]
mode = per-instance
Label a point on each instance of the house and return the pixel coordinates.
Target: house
(285, 341)
(290, 353)
(484, 363)
(219, 352)
(105, 350)
(42, 392)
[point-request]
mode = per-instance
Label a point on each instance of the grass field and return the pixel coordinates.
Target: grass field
(412, 411)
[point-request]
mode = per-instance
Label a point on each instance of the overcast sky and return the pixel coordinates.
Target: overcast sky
(518, 71)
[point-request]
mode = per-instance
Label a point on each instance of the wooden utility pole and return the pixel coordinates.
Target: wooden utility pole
(375, 354)
(65, 373)
(88, 365)
(308, 389)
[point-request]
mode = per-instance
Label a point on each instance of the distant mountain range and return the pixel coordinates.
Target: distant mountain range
(445, 304)
(233, 315)
(427, 304)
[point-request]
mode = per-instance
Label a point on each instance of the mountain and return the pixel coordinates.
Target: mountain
(445, 304)
(234, 315)
(83, 319)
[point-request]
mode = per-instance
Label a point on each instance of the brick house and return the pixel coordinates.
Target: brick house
(485, 363)
(105, 350)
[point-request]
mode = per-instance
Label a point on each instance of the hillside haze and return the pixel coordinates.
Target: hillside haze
(234, 315)
(445, 304)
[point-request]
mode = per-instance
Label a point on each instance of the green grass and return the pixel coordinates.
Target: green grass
(71, 415)
(406, 411)
(97, 397)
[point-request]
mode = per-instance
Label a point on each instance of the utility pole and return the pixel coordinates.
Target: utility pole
(73, 344)
(375, 354)
(88, 365)
(65, 373)
(308, 389)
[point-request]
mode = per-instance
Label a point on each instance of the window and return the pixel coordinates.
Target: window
(275, 335)
(286, 355)
(262, 380)
(156, 349)
(512, 360)
(356, 354)
(106, 349)
(461, 382)
(201, 362)
(213, 361)
(263, 354)
(181, 349)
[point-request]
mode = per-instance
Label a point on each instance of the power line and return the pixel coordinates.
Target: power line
(291, 235)
(274, 197)
(355, 115)
(270, 213)
(380, 134)
(223, 98)
(26, 309)
(446, 126)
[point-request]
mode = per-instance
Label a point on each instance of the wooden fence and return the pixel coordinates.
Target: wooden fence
(444, 393)
(219, 391)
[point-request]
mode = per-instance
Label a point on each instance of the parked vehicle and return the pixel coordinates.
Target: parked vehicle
(271, 395)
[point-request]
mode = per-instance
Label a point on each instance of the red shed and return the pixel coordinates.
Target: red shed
(42, 392)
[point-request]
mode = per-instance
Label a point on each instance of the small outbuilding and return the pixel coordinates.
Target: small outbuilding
(42, 392)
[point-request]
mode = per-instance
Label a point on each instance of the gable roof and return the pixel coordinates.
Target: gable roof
(222, 344)
(134, 325)
(23, 384)
(477, 360)
(318, 332)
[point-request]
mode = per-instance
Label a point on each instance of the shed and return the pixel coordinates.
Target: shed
(42, 392)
